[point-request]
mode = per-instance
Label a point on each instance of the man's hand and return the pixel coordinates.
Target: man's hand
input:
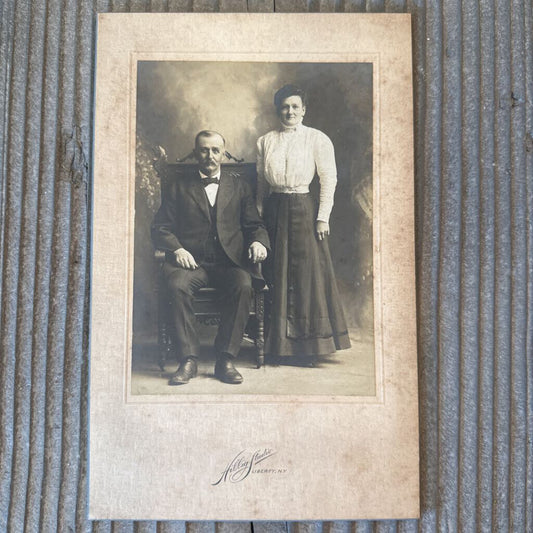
(322, 229)
(185, 259)
(257, 252)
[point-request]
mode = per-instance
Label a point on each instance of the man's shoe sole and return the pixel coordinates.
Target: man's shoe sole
(224, 379)
(180, 382)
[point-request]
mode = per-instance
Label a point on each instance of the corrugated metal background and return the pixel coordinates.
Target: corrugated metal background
(474, 188)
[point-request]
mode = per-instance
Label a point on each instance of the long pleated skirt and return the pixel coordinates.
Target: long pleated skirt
(306, 316)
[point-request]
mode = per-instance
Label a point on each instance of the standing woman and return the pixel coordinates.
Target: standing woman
(307, 319)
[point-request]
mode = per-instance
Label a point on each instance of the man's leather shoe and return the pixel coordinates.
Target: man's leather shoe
(226, 372)
(186, 371)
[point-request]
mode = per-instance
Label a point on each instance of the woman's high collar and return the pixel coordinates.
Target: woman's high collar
(291, 129)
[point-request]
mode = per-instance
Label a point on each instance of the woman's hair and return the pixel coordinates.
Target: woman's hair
(286, 91)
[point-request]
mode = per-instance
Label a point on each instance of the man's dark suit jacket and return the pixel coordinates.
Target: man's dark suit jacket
(183, 220)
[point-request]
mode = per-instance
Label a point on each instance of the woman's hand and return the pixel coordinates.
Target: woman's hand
(322, 229)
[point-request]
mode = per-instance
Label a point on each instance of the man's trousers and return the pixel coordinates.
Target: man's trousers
(235, 287)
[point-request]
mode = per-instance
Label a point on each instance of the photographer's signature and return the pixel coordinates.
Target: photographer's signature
(246, 463)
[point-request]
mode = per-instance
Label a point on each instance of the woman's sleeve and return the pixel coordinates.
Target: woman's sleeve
(262, 185)
(327, 174)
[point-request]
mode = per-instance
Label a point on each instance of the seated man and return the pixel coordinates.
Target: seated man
(210, 224)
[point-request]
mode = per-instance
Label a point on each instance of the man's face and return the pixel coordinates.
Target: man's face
(292, 111)
(209, 152)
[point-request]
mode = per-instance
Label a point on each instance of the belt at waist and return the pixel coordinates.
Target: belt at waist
(300, 189)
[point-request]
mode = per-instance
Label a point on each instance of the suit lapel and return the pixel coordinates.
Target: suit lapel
(197, 191)
(225, 192)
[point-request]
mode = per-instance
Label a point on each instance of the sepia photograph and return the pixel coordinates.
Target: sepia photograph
(253, 229)
(253, 317)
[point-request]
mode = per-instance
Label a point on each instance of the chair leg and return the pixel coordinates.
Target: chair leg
(164, 341)
(164, 345)
(260, 337)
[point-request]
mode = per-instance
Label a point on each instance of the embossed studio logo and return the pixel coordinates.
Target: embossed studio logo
(245, 463)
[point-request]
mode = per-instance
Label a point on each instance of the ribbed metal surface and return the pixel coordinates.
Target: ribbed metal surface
(473, 75)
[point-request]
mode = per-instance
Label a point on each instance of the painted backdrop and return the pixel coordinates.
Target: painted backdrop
(175, 100)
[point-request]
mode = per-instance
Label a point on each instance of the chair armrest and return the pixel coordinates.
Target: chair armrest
(265, 286)
(159, 256)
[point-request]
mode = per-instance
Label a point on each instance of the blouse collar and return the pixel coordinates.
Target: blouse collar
(291, 129)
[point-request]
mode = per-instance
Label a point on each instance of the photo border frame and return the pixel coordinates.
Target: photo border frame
(287, 57)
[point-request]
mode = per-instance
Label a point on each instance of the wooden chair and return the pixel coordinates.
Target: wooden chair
(205, 303)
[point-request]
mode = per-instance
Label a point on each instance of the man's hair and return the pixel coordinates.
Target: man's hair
(286, 91)
(208, 133)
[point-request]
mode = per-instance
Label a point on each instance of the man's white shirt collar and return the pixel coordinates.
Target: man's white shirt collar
(212, 189)
(217, 175)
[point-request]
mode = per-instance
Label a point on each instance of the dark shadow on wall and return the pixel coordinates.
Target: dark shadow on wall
(177, 99)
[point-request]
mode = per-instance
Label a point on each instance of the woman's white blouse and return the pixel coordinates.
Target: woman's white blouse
(288, 159)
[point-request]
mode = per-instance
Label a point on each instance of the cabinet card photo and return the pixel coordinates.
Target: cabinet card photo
(253, 335)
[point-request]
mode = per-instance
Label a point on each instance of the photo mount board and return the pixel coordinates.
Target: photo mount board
(232, 457)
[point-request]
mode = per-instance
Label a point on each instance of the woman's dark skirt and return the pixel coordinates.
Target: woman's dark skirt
(306, 313)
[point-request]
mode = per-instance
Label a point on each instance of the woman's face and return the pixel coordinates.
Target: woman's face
(291, 111)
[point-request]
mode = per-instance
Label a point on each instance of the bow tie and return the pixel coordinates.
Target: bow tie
(209, 181)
